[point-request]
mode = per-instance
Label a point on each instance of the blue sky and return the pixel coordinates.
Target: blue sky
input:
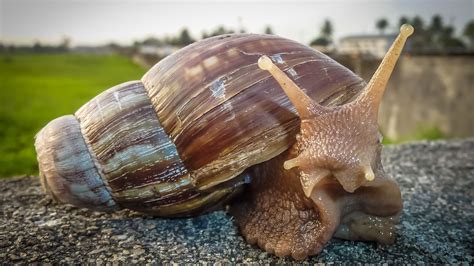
(122, 21)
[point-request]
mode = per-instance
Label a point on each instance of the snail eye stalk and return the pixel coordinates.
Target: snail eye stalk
(372, 95)
(305, 106)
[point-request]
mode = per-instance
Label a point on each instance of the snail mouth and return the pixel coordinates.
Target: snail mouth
(353, 178)
(349, 178)
(346, 181)
(350, 183)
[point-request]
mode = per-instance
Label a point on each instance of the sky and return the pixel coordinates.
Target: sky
(91, 22)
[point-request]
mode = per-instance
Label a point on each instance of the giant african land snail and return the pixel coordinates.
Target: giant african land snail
(206, 121)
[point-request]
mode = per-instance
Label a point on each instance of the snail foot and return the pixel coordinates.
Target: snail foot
(278, 224)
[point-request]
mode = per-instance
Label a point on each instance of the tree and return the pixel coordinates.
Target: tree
(381, 25)
(65, 43)
(435, 30)
(37, 47)
(268, 30)
(402, 20)
(218, 31)
(434, 37)
(468, 32)
(441, 37)
(152, 41)
(185, 38)
(421, 37)
(325, 35)
(326, 30)
(448, 41)
(320, 41)
(436, 25)
(418, 23)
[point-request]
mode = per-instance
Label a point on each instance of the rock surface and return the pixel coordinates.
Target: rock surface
(436, 178)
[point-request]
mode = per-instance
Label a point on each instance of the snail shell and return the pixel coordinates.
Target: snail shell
(175, 142)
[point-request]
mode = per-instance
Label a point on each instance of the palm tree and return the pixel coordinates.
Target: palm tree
(402, 20)
(381, 25)
(437, 24)
(468, 32)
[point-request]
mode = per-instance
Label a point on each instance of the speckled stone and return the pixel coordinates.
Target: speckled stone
(436, 178)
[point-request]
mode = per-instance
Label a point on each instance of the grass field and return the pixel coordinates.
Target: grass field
(35, 89)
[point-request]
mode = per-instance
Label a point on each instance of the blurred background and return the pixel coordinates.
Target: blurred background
(55, 55)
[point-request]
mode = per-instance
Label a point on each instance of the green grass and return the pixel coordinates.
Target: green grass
(421, 133)
(36, 88)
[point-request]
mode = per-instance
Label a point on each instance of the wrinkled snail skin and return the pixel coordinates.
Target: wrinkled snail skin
(343, 189)
(276, 214)
(217, 121)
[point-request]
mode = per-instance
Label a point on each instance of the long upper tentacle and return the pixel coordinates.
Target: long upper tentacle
(305, 106)
(372, 95)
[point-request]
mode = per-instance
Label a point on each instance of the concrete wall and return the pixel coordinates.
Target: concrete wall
(425, 92)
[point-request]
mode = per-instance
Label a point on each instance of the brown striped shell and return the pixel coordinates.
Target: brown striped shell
(175, 142)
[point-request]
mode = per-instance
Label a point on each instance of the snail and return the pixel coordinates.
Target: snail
(281, 131)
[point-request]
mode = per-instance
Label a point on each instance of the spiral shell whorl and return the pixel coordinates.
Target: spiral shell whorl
(114, 149)
(67, 169)
(136, 156)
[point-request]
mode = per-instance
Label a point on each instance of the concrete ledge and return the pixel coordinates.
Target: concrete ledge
(437, 181)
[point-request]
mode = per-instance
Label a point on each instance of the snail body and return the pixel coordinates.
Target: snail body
(207, 124)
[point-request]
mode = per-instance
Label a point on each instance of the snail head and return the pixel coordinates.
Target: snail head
(340, 144)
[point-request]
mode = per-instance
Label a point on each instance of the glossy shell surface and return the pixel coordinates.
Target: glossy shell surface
(173, 143)
(224, 114)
